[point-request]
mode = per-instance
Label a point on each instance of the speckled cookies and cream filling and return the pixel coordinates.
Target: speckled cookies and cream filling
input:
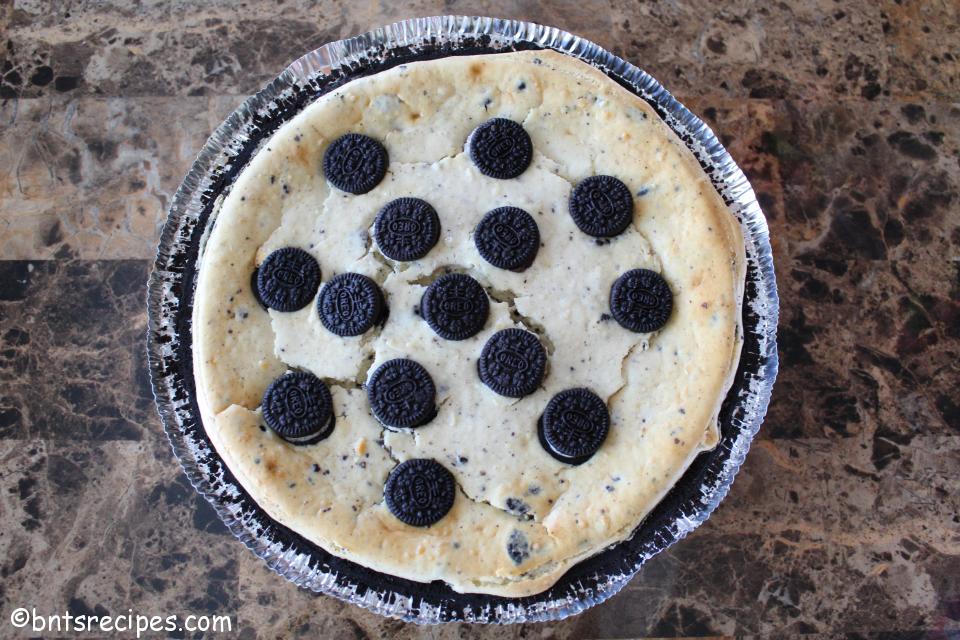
(521, 517)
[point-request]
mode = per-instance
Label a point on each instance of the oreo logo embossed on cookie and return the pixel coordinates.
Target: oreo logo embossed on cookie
(641, 301)
(355, 163)
(420, 492)
(402, 394)
(406, 229)
(349, 304)
(601, 206)
(298, 408)
(574, 425)
(508, 238)
(287, 280)
(455, 306)
(512, 363)
(500, 148)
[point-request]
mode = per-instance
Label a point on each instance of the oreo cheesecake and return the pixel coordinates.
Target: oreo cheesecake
(468, 319)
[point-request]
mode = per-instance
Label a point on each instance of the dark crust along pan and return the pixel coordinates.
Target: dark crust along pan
(170, 307)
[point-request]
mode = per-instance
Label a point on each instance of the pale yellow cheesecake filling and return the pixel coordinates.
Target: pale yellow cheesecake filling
(663, 390)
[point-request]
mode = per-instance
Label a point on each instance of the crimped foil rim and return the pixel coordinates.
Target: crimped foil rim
(170, 295)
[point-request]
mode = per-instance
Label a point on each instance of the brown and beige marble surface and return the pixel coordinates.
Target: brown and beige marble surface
(843, 523)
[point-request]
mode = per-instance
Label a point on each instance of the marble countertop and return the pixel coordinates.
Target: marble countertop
(845, 520)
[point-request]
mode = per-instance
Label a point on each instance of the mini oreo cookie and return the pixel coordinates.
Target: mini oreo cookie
(601, 206)
(500, 148)
(455, 306)
(420, 492)
(355, 163)
(508, 238)
(288, 279)
(402, 394)
(406, 229)
(512, 363)
(641, 301)
(349, 304)
(574, 425)
(298, 407)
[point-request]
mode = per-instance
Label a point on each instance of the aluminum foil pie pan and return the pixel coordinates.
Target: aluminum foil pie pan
(169, 340)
